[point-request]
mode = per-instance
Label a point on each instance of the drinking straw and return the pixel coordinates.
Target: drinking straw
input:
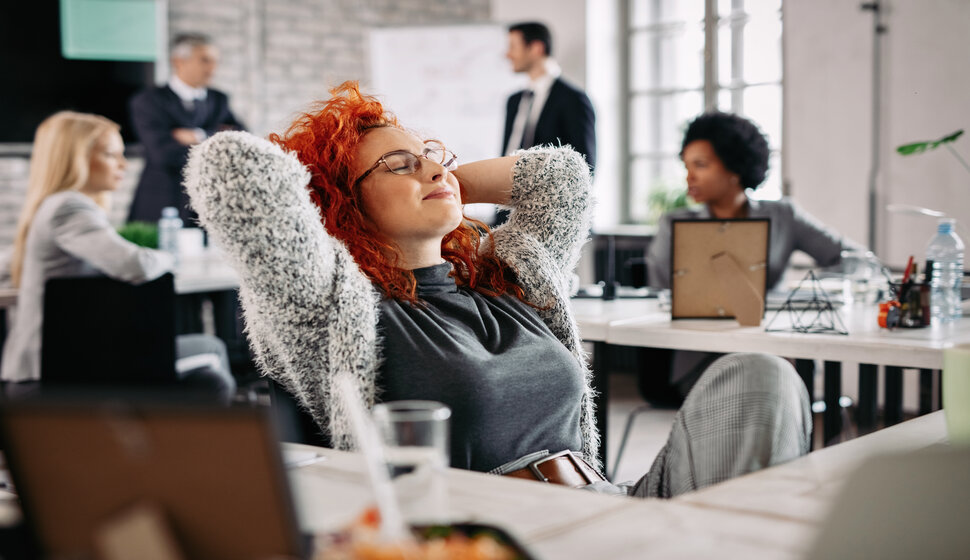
(392, 528)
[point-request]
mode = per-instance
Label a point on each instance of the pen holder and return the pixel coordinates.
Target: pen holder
(914, 304)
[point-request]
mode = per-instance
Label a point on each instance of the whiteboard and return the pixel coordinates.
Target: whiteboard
(450, 83)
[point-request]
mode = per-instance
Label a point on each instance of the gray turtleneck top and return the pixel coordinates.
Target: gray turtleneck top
(512, 386)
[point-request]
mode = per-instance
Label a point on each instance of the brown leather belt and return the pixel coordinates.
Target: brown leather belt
(563, 468)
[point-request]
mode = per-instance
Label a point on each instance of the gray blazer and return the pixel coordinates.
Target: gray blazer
(70, 236)
(791, 228)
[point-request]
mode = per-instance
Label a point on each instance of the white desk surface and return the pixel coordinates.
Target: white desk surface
(203, 273)
(208, 272)
(770, 514)
(595, 315)
(865, 343)
(802, 490)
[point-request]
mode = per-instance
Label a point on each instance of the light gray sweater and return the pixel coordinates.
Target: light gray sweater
(310, 311)
(69, 236)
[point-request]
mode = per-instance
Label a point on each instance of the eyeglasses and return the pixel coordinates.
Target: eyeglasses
(403, 162)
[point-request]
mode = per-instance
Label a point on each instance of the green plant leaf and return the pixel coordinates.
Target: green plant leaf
(919, 147)
(143, 234)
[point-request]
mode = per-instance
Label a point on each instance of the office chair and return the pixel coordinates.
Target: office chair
(102, 335)
(294, 424)
(103, 332)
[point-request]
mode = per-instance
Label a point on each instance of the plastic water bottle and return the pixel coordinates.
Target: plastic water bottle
(168, 230)
(944, 272)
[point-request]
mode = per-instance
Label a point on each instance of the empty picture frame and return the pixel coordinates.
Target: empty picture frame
(719, 269)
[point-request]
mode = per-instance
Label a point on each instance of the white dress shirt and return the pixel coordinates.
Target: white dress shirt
(189, 96)
(528, 115)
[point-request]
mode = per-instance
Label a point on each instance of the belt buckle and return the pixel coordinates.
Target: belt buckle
(534, 466)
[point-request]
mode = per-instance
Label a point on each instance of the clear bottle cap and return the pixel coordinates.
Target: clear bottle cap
(170, 212)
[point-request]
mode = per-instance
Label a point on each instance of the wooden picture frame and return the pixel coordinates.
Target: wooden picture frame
(719, 269)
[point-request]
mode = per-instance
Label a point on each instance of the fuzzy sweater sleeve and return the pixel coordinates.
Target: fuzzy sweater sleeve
(552, 208)
(310, 312)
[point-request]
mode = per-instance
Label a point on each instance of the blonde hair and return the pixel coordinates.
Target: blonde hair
(60, 161)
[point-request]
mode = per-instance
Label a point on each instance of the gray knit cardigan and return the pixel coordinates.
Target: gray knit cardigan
(311, 313)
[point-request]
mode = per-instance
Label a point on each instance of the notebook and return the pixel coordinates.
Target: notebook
(211, 478)
(902, 507)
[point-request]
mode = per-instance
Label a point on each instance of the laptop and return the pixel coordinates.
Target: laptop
(90, 473)
(902, 507)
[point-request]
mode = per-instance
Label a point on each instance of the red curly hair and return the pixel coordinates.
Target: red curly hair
(325, 140)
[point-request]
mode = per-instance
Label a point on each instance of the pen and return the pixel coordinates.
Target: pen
(909, 265)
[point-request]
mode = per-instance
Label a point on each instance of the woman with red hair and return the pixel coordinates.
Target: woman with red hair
(355, 258)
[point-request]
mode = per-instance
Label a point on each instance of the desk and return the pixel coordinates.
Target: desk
(208, 279)
(204, 277)
(866, 343)
(594, 317)
(208, 272)
(771, 514)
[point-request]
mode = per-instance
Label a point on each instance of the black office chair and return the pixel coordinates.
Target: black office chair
(103, 332)
(294, 424)
(105, 335)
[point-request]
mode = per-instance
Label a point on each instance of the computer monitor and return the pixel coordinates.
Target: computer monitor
(719, 269)
(214, 476)
(901, 506)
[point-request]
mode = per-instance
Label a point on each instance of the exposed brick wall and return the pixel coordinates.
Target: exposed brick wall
(280, 55)
(277, 57)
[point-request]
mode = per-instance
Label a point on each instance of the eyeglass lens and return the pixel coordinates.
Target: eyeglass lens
(403, 163)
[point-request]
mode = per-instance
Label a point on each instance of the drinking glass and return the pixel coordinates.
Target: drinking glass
(415, 436)
(860, 270)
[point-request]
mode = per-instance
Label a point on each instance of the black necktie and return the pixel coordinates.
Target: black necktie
(198, 113)
(529, 130)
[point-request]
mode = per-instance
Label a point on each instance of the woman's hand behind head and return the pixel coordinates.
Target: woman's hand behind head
(236, 171)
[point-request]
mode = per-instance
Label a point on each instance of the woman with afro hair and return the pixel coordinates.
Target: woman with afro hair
(725, 156)
(355, 258)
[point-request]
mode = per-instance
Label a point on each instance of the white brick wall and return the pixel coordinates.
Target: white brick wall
(278, 56)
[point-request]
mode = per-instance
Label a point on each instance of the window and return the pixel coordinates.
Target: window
(685, 56)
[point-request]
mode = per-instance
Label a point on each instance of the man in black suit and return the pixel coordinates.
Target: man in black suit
(550, 110)
(170, 119)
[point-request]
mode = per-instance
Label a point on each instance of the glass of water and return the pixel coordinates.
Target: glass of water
(861, 278)
(415, 435)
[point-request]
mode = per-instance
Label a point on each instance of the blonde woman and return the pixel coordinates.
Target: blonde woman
(76, 163)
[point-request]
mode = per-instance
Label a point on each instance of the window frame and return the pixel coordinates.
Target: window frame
(711, 88)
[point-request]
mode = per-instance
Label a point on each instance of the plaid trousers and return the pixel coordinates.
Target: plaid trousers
(746, 412)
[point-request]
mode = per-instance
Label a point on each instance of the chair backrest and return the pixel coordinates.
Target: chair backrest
(629, 264)
(100, 331)
(293, 423)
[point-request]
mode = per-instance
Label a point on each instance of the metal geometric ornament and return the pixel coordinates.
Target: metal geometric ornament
(810, 312)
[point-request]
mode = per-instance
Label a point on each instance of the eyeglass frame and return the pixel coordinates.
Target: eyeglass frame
(424, 155)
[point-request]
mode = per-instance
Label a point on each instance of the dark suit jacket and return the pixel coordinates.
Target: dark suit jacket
(566, 118)
(155, 113)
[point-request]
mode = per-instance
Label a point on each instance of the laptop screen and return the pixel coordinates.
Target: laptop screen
(213, 474)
